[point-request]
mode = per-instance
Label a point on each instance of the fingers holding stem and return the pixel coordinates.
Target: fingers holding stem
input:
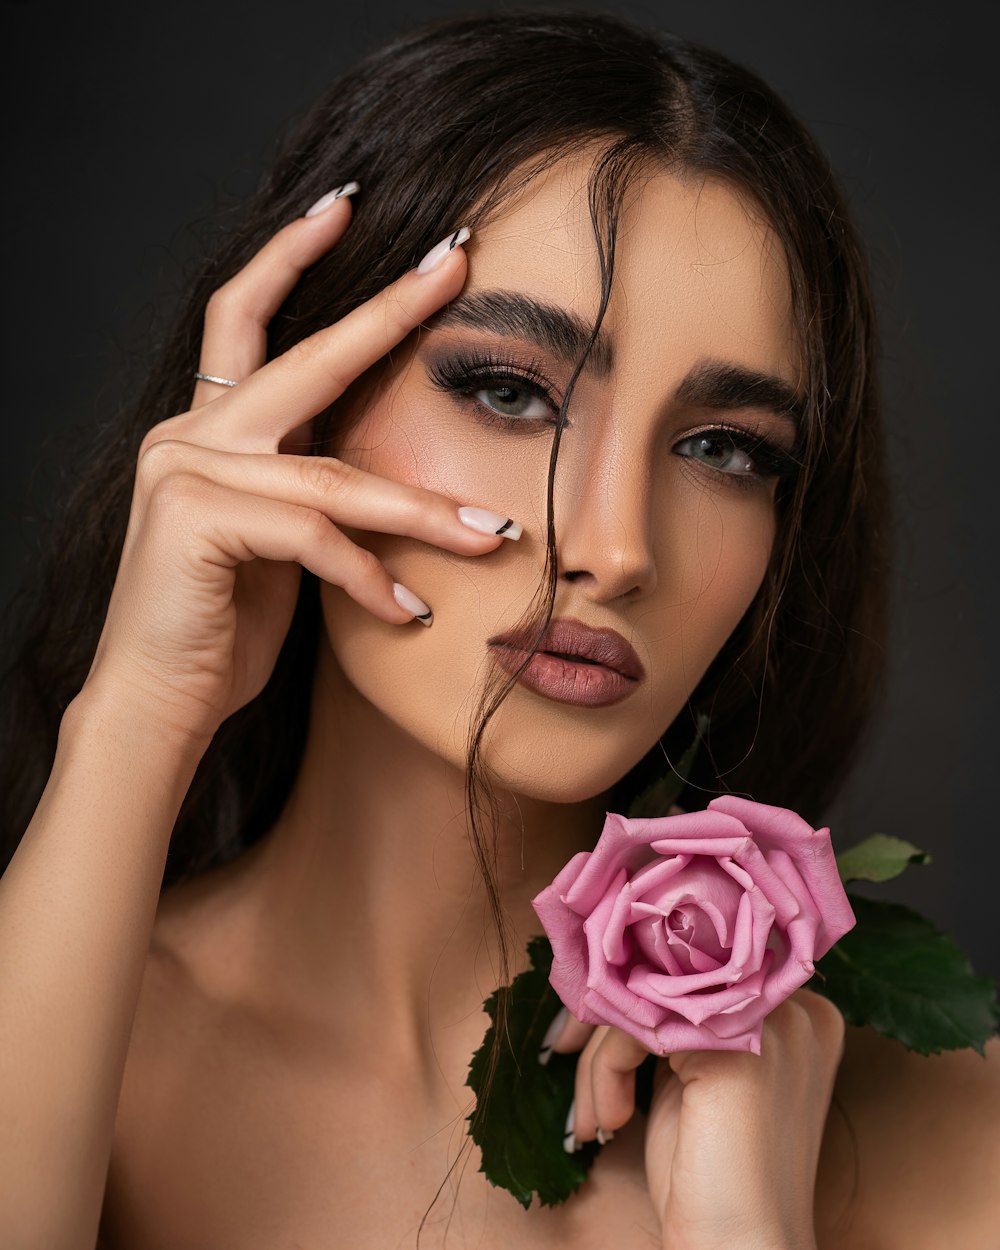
(605, 1085)
(605, 1077)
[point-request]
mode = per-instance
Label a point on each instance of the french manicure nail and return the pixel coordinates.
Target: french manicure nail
(569, 1141)
(485, 522)
(440, 250)
(338, 193)
(408, 600)
(551, 1033)
(603, 1137)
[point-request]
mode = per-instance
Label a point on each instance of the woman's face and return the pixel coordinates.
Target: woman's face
(664, 521)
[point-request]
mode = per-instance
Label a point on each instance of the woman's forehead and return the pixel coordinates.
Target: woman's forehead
(697, 270)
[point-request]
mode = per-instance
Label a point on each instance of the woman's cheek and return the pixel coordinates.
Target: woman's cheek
(432, 443)
(721, 544)
(713, 546)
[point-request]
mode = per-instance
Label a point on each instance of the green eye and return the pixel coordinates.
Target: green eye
(731, 453)
(512, 401)
(515, 395)
(744, 457)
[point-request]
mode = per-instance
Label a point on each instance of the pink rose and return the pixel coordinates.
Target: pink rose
(685, 931)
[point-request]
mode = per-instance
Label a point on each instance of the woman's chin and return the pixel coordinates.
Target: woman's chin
(561, 784)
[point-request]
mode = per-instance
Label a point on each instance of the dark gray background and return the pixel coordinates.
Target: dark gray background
(127, 124)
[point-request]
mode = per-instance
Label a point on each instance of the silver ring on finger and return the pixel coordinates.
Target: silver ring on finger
(212, 377)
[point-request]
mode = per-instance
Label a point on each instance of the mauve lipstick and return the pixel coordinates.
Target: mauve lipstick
(575, 663)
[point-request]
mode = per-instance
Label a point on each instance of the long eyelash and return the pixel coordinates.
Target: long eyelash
(467, 373)
(771, 460)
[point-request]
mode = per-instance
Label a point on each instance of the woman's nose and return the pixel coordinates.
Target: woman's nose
(604, 532)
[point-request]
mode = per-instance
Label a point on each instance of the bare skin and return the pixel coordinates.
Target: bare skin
(307, 1014)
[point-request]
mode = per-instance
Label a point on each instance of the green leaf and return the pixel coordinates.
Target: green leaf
(519, 1125)
(906, 979)
(878, 858)
(658, 798)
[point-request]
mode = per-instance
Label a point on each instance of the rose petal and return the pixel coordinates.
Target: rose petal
(665, 987)
(712, 848)
(564, 880)
(779, 983)
(655, 876)
(612, 992)
(690, 953)
(770, 826)
(622, 844)
(811, 849)
(651, 932)
(699, 879)
(686, 957)
(670, 1033)
(643, 1030)
(753, 866)
(699, 874)
(654, 933)
(568, 975)
(674, 1034)
(595, 926)
(616, 945)
(645, 983)
(803, 930)
(754, 922)
(695, 828)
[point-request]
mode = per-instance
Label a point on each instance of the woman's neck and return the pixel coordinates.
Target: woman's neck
(364, 902)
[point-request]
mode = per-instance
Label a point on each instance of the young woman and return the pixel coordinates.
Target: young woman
(346, 647)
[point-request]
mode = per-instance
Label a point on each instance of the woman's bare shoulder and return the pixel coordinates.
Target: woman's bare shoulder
(925, 1127)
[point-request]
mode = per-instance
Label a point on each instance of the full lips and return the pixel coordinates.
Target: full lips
(573, 662)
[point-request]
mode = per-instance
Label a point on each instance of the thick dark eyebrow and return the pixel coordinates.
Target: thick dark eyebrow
(715, 384)
(510, 313)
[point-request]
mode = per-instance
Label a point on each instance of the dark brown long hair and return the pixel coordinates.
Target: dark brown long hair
(433, 124)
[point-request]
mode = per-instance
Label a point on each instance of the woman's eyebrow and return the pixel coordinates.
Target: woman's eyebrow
(717, 384)
(511, 313)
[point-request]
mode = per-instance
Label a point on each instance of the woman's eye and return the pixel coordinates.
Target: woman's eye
(720, 452)
(512, 401)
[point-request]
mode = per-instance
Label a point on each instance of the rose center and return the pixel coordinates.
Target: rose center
(680, 922)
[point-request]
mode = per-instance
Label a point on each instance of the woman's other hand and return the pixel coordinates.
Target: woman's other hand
(732, 1139)
(223, 518)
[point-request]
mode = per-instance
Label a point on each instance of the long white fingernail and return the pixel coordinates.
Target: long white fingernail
(570, 1144)
(408, 600)
(485, 522)
(551, 1033)
(338, 193)
(440, 250)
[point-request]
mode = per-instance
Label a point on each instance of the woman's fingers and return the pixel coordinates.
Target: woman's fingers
(288, 391)
(247, 529)
(605, 1084)
(234, 343)
(223, 515)
(341, 492)
(564, 1035)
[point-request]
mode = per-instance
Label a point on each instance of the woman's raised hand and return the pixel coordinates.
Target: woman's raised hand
(222, 522)
(733, 1139)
